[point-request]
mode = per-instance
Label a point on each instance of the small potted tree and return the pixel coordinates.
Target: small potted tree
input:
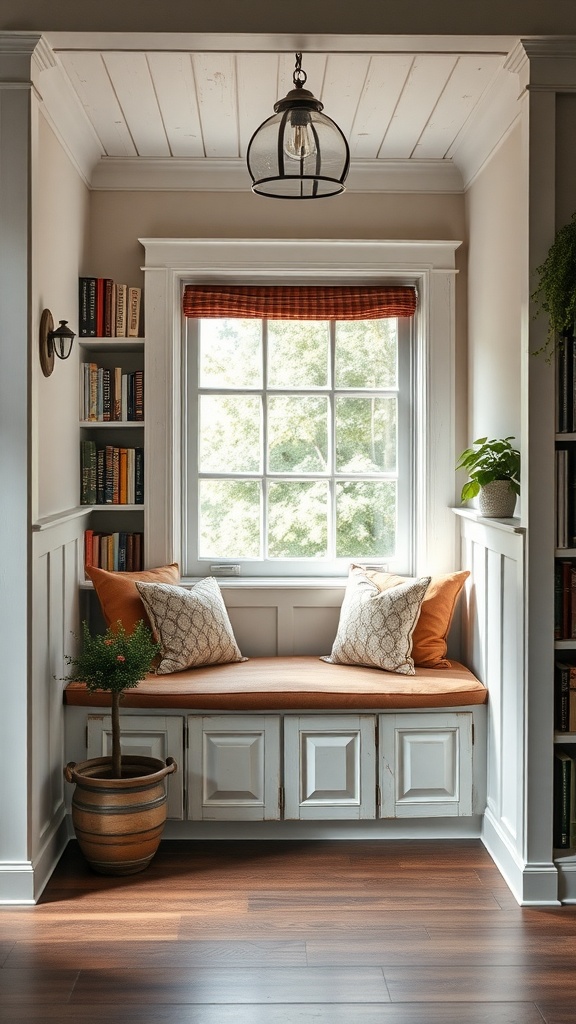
(494, 471)
(119, 803)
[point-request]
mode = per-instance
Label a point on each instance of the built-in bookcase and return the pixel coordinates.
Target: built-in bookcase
(565, 603)
(112, 441)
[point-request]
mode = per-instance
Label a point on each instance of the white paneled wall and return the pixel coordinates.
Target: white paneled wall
(289, 619)
(57, 556)
(493, 647)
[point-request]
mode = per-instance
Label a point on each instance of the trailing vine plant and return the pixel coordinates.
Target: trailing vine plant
(555, 294)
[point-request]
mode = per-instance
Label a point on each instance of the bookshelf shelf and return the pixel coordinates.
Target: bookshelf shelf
(112, 453)
(110, 424)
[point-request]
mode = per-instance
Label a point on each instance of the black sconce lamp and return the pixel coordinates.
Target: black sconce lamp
(298, 153)
(53, 341)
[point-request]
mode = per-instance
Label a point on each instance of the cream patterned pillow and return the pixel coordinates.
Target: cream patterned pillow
(192, 626)
(375, 627)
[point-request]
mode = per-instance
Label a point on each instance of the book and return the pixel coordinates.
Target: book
(109, 308)
(87, 307)
(106, 394)
(139, 477)
(562, 809)
(88, 535)
(138, 395)
(99, 307)
(117, 393)
(134, 295)
(121, 303)
(87, 472)
(562, 696)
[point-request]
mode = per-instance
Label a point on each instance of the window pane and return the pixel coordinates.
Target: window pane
(229, 519)
(298, 519)
(230, 434)
(297, 434)
(366, 435)
(230, 353)
(366, 354)
(298, 353)
(365, 519)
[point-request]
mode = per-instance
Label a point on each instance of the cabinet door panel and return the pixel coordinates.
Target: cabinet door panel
(329, 767)
(234, 767)
(426, 765)
(150, 735)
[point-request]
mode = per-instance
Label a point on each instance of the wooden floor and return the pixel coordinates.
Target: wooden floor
(289, 933)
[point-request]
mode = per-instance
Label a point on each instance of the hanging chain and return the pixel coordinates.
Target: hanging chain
(299, 77)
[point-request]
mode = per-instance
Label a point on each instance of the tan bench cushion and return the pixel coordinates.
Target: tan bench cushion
(286, 683)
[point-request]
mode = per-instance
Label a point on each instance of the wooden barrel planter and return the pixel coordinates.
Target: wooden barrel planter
(119, 822)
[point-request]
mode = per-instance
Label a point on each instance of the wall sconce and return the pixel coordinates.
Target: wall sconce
(298, 153)
(53, 342)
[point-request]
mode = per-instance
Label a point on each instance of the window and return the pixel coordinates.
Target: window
(298, 438)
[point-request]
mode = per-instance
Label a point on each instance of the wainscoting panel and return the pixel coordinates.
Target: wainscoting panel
(57, 557)
(283, 620)
(493, 647)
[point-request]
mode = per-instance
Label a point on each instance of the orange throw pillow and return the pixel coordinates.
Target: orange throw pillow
(118, 594)
(429, 640)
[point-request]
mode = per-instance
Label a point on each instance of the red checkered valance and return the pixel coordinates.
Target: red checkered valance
(298, 302)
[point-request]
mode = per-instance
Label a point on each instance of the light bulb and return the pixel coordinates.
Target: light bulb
(299, 141)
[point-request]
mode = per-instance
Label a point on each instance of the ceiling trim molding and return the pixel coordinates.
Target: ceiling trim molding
(223, 42)
(226, 175)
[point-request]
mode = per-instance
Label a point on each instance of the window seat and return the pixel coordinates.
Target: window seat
(293, 682)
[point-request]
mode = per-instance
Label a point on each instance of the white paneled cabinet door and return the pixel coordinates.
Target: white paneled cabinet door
(426, 765)
(233, 767)
(151, 736)
(330, 766)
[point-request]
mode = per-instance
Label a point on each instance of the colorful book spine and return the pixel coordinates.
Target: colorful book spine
(87, 307)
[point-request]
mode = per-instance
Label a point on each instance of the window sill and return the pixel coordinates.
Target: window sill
(271, 582)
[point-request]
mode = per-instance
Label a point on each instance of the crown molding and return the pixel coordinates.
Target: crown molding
(219, 175)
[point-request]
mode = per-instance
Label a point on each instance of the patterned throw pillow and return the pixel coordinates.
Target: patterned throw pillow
(192, 626)
(376, 627)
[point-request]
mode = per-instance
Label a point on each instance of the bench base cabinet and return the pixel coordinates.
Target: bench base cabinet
(234, 768)
(309, 767)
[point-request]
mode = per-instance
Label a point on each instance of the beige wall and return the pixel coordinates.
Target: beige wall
(496, 224)
(522, 17)
(60, 227)
(118, 219)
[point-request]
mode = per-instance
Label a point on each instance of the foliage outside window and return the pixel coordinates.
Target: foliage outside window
(298, 438)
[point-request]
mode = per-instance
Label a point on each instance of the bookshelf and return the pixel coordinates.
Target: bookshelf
(564, 838)
(112, 438)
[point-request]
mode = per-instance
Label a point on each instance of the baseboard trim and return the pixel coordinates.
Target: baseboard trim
(531, 884)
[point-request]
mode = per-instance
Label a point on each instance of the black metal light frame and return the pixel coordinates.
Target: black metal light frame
(53, 341)
(314, 175)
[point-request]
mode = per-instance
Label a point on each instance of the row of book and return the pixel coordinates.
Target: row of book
(116, 552)
(565, 599)
(107, 394)
(566, 498)
(107, 309)
(566, 385)
(564, 696)
(110, 475)
(564, 809)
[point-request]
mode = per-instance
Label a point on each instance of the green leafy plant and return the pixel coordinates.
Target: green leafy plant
(114, 661)
(555, 294)
(490, 460)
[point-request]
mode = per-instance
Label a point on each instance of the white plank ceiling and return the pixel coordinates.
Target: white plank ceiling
(204, 106)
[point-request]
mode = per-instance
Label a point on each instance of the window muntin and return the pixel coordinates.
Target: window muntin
(299, 442)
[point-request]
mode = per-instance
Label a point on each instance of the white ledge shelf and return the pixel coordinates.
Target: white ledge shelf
(511, 525)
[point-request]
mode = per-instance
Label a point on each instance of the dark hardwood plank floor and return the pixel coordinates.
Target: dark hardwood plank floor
(335, 932)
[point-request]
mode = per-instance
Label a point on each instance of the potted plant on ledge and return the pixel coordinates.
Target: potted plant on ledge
(494, 470)
(119, 803)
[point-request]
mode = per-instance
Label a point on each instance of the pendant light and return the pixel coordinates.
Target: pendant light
(298, 153)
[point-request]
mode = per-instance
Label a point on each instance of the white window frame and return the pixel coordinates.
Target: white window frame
(402, 562)
(429, 265)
